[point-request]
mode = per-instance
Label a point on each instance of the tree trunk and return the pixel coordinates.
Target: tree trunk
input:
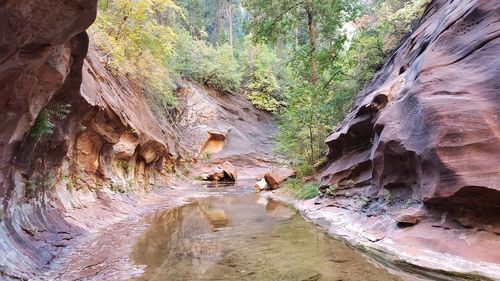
(219, 13)
(311, 144)
(312, 43)
(296, 38)
(280, 47)
(230, 20)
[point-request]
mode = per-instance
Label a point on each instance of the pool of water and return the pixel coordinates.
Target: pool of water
(245, 237)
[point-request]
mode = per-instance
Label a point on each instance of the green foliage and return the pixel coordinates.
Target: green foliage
(45, 121)
(261, 74)
(138, 38)
(219, 69)
(30, 186)
(81, 127)
(297, 59)
(313, 103)
(49, 180)
(198, 178)
(301, 190)
(328, 67)
(127, 166)
(379, 31)
(200, 61)
(331, 190)
(205, 157)
(310, 115)
(388, 198)
(158, 42)
(43, 125)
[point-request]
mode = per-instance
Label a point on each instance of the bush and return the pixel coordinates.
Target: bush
(137, 42)
(44, 123)
(261, 70)
(199, 61)
(301, 190)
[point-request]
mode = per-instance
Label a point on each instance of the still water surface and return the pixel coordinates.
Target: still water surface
(245, 237)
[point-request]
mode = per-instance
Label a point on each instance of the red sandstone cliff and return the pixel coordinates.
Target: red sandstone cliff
(427, 127)
(108, 137)
(422, 142)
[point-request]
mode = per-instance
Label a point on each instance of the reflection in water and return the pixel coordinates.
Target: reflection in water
(218, 184)
(245, 237)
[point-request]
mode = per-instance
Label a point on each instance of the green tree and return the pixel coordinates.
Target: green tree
(138, 38)
(329, 64)
(321, 18)
(261, 73)
(317, 45)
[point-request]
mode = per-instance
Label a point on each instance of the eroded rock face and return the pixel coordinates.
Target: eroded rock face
(217, 127)
(40, 42)
(427, 127)
(414, 163)
(42, 47)
(107, 141)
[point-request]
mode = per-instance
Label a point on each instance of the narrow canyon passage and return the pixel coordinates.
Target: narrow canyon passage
(315, 140)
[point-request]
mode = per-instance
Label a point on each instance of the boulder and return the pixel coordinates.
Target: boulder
(215, 175)
(230, 173)
(261, 185)
(410, 216)
(407, 219)
(224, 172)
(277, 176)
(124, 149)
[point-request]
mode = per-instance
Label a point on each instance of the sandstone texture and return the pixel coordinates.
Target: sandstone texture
(425, 132)
(427, 128)
(42, 47)
(218, 127)
(105, 139)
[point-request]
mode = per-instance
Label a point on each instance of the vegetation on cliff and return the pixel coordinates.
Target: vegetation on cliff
(336, 47)
(302, 60)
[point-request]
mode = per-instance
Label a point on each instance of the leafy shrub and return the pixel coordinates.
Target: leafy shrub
(301, 190)
(30, 186)
(200, 61)
(138, 41)
(262, 87)
(331, 190)
(263, 101)
(45, 121)
(43, 125)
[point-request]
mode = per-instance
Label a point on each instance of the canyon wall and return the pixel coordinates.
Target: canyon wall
(96, 133)
(426, 129)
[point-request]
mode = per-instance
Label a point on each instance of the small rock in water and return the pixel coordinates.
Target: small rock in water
(261, 185)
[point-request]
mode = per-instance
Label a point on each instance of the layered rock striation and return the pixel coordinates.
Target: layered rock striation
(422, 142)
(427, 126)
(99, 136)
